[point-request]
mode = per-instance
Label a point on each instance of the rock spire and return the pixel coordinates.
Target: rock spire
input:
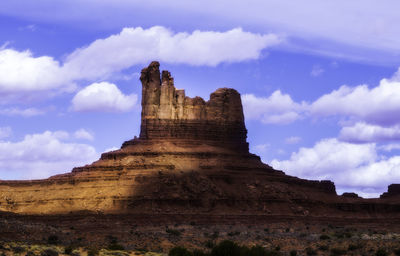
(168, 114)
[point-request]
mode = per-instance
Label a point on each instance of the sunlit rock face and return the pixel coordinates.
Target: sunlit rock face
(191, 158)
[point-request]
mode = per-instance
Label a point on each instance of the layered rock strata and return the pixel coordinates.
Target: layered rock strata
(191, 158)
(168, 114)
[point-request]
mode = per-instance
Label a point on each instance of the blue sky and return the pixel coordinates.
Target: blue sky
(319, 80)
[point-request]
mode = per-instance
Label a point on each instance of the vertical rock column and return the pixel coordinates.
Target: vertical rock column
(151, 83)
(168, 114)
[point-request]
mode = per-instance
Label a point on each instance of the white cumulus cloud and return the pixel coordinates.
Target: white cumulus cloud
(353, 167)
(357, 29)
(83, 134)
(362, 132)
(42, 155)
(278, 108)
(292, 140)
(317, 71)
(390, 147)
(378, 105)
(15, 111)
(103, 96)
(5, 132)
(21, 73)
(396, 76)
(261, 148)
(140, 46)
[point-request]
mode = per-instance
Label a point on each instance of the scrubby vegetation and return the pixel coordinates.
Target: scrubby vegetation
(226, 248)
(173, 232)
(200, 240)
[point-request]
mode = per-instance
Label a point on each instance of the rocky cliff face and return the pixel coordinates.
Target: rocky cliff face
(191, 158)
(168, 114)
(393, 191)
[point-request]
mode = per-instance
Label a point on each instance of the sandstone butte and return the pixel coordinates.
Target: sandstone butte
(191, 158)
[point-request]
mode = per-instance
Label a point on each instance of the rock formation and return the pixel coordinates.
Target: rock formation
(191, 158)
(393, 191)
(168, 114)
(350, 195)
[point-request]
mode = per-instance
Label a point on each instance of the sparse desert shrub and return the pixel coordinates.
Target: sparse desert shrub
(226, 248)
(174, 232)
(339, 235)
(293, 253)
(116, 247)
(311, 251)
(53, 239)
(49, 252)
(30, 253)
(271, 253)
(323, 247)
(338, 251)
(18, 249)
(257, 251)
(229, 248)
(179, 251)
(236, 233)
(324, 237)
(199, 253)
(210, 244)
(93, 252)
(397, 251)
(75, 253)
(353, 247)
(381, 252)
(68, 250)
(215, 235)
(142, 250)
(104, 252)
(348, 234)
(111, 239)
(228, 180)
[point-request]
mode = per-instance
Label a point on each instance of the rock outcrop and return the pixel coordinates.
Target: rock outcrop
(350, 195)
(393, 191)
(191, 158)
(168, 114)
